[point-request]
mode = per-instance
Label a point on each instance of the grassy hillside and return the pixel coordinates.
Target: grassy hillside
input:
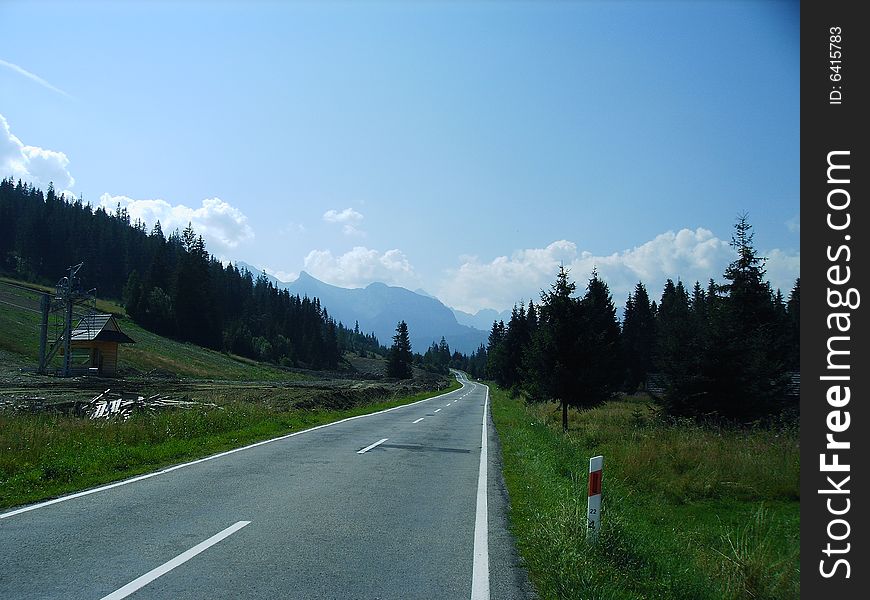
(19, 335)
(688, 512)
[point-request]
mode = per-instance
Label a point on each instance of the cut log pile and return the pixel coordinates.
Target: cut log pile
(122, 405)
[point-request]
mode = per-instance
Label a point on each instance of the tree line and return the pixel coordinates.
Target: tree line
(401, 360)
(437, 359)
(168, 284)
(723, 352)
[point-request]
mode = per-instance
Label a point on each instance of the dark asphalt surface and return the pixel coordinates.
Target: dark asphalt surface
(325, 521)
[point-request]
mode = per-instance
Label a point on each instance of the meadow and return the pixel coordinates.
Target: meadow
(689, 512)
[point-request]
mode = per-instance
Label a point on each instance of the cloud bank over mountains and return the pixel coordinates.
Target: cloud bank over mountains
(687, 254)
(361, 266)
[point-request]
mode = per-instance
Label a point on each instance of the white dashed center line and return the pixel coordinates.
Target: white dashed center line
(182, 558)
(369, 447)
(420, 419)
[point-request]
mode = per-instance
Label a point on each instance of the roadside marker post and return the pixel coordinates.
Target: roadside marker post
(593, 509)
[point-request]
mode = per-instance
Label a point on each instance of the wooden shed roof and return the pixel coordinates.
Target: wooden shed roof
(99, 328)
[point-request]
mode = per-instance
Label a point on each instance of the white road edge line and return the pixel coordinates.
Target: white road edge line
(480, 569)
(418, 420)
(110, 486)
(367, 448)
(182, 558)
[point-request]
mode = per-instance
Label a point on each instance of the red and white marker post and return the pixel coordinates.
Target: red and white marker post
(593, 510)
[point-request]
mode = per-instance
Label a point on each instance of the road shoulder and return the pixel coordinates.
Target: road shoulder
(508, 577)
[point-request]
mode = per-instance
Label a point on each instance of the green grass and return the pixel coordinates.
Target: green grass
(46, 455)
(19, 334)
(154, 352)
(688, 512)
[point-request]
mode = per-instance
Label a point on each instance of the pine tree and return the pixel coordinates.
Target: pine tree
(531, 318)
(400, 358)
(133, 295)
(601, 369)
(747, 377)
(722, 352)
(677, 357)
(554, 358)
(516, 342)
(443, 355)
(638, 337)
(191, 298)
(496, 353)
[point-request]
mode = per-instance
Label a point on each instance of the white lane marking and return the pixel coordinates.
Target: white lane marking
(480, 569)
(437, 409)
(182, 558)
(418, 420)
(110, 486)
(367, 448)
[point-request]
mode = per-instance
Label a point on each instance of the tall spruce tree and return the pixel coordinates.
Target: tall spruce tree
(677, 356)
(496, 353)
(638, 337)
(747, 377)
(552, 358)
(574, 355)
(601, 371)
(516, 341)
(400, 359)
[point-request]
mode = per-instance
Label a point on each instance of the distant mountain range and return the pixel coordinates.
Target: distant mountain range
(379, 307)
(482, 319)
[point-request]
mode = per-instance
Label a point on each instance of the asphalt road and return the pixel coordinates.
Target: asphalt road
(305, 516)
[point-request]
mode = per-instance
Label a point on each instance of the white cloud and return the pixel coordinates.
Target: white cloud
(782, 269)
(348, 218)
(361, 266)
(688, 254)
(32, 77)
(505, 280)
(222, 225)
(32, 163)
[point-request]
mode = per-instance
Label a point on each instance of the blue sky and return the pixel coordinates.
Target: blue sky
(465, 148)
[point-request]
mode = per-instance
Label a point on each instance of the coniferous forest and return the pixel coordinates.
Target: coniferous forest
(168, 284)
(724, 353)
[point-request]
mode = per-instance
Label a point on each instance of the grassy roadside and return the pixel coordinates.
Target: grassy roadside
(43, 456)
(688, 512)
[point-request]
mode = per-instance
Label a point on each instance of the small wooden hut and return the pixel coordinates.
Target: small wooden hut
(99, 336)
